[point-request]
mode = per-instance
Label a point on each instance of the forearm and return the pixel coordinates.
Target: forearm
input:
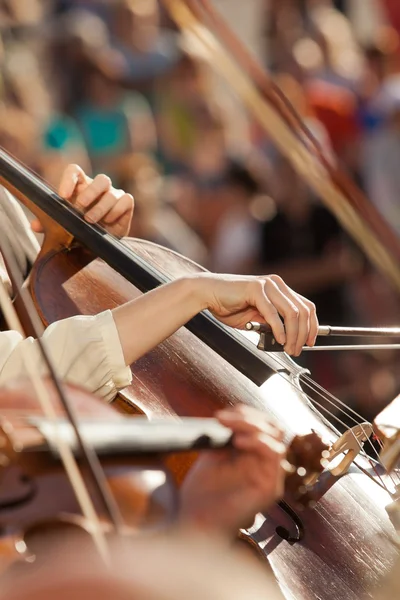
(145, 322)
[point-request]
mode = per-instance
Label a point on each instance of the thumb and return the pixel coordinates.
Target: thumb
(72, 175)
(36, 226)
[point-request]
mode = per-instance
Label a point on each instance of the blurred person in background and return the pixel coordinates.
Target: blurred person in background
(198, 158)
(98, 112)
(146, 50)
(191, 113)
(114, 123)
(19, 13)
(304, 242)
(381, 158)
(182, 96)
(236, 241)
(379, 166)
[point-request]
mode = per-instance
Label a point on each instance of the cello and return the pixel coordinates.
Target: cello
(36, 499)
(339, 548)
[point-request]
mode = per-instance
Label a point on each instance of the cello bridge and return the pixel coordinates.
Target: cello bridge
(340, 456)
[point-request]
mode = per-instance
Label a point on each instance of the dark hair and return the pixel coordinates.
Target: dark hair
(239, 175)
(373, 52)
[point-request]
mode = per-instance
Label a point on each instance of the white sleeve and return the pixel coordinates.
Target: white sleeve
(85, 350)
(15, 229)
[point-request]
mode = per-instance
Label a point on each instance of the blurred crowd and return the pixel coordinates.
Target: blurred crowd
(113, 86)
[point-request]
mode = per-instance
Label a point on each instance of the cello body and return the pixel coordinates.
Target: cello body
(341, 548)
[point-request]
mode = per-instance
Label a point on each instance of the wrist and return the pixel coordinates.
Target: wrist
(197, 288)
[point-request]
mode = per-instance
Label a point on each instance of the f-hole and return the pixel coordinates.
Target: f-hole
(283, 532)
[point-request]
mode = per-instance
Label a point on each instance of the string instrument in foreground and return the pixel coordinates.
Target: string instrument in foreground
(37, 500)
(340, 548)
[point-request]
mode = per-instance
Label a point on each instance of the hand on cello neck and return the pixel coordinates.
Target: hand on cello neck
(96, 199)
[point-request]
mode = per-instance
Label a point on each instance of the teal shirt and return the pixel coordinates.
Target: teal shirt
(106, 130)
(62, 133)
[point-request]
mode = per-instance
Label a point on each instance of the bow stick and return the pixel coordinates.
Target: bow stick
(267, 342)
(230, 59)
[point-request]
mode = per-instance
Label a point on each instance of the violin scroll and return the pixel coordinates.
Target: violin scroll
(307, 455)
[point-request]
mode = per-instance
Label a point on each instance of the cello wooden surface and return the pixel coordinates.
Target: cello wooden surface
(347, 544)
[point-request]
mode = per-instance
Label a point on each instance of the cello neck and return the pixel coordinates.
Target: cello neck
(228, 343)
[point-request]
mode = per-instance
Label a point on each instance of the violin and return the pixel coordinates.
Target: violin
(37, 501)
(206, 366)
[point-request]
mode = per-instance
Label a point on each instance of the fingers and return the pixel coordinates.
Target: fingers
(71, 177)
(98, 200)
(94, 191)
(123, 206)
(268, 310)
(267, 295)
(261, 459)
(253, 432)
(272, 297)
(264, 445)
(246, 419)
(304, 314)
(314, 324)
(104, 206)
(36, 226)
(114, 210)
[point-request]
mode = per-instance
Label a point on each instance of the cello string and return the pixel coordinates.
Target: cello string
(323, 393)
(334, 399)
(339, 404)
(329, 397)
(66, 455)
(279, 371)
(280, 361)
(334, 430)
(361, 445)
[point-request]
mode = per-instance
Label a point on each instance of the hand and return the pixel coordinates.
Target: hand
(225, 490)
(97, 199)
(233, 299)
(236, 299)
